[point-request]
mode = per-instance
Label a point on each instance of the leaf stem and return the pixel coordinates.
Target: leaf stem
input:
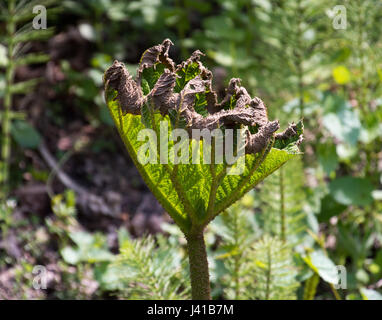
(335, 292)
(299, 66)
(199, 274)
(282, 205)
(268, 274)
(6, 119)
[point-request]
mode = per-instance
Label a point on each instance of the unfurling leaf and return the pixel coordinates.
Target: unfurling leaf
(181, 97)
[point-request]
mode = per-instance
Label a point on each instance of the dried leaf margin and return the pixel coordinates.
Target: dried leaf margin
(172, 96)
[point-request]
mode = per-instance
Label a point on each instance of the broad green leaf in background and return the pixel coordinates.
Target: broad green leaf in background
(341, 120)
(355, 243)
(369, 294)
(330, 208)
(377, 195)
(352, 191)
(89, 248)
(70, 255)
(327, 156)
(322, 265)
(25, 135)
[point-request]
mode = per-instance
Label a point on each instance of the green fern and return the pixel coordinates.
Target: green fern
(280, 216)
(148, 269)
(361, 49)
(281, 203)
(289, 38)
(359, 52)
(238, 230)
(254, 268)
(273, 271)
(294, 34)
(17, 16)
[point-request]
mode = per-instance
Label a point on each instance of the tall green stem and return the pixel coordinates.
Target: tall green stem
(197, 254)
(236, 257)
(300, 71)
(6, 119)
(282, 206)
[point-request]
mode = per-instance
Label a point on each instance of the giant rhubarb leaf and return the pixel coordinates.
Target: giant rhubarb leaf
(181, 97)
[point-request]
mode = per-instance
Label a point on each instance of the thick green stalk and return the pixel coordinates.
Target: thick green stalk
(282, 206)
(300, 71)
(236, 277)
(311, 287)
(197, 254)
(6, 119)
(268, 274)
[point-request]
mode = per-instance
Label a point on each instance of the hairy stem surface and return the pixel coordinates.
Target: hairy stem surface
(6, 121)
(197, 254)
(282, 206)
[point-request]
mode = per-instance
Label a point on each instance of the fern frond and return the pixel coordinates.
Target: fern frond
(151, 270)
(282, 196)
(238, 230)
(31, 58)
(17, 35)
(27, 33)
(293, 39)
(273, 271)
(24, 86)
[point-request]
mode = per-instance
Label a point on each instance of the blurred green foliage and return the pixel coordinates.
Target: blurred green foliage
(288, 53)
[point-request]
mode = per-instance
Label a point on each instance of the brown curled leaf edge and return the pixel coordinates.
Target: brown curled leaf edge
(184, 92)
